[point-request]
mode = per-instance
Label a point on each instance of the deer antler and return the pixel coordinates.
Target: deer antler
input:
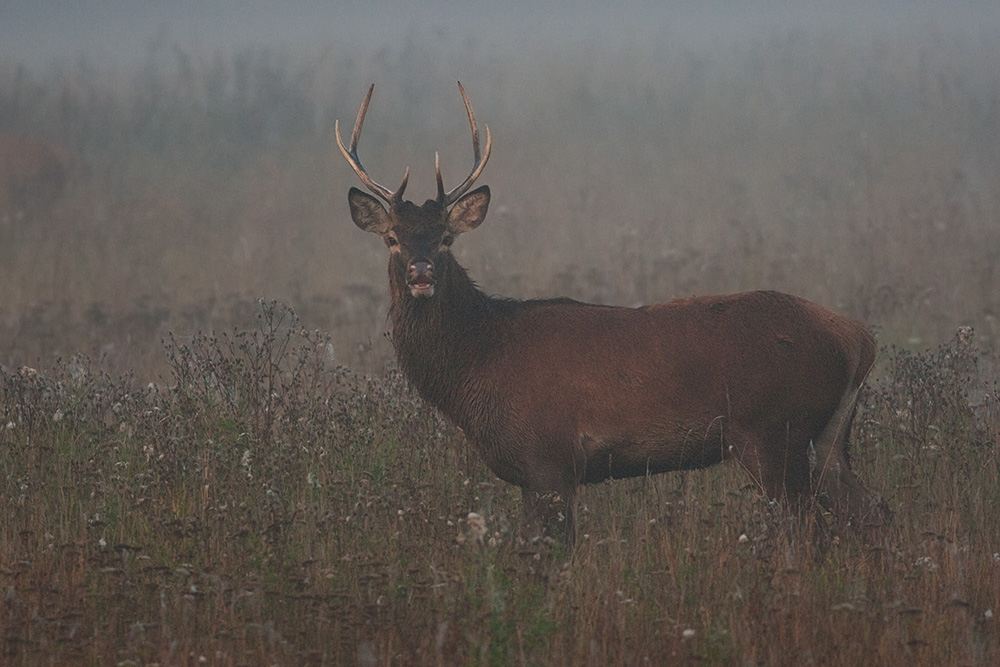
(480, 160)
(393, 197)
(353, 160)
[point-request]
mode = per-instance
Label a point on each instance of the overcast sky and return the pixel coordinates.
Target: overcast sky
(43, 31)
(40, 30)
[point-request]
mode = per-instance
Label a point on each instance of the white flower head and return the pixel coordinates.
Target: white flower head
(477, 525)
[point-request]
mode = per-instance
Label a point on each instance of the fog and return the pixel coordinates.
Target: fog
(643, 151)
(188, 473)
(120, 31)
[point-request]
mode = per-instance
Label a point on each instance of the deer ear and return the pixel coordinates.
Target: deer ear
(469, 211)
(368, 212)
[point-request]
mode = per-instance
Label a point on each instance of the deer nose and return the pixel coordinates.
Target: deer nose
(421, 278)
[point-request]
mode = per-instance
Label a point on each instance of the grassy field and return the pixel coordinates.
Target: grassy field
(191, 473)
(270, 507)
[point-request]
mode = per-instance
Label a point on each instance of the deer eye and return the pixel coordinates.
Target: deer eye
(447, 241)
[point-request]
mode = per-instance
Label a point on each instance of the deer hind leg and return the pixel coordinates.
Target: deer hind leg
(550, 513)
(837, 488)
(549, 505)
(778, 464)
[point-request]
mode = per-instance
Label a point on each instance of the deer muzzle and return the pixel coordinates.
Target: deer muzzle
(420, 279)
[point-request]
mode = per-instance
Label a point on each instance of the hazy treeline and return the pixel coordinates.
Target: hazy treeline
(276, 494)
(854, 163)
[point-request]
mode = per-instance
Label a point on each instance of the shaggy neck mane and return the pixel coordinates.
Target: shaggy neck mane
(440, 341)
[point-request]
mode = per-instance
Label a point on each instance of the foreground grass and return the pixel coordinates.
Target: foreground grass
(264, 506)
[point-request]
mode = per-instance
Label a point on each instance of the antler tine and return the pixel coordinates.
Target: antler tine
(472, 121)
(440, 181)
(360, 120)
(353, 160)
(480, 158)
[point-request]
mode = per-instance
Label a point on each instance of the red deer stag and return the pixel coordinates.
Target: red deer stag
(33, 174)
(556, 393)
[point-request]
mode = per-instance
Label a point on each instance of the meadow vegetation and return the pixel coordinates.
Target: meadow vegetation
(267, 506)
(192, 474)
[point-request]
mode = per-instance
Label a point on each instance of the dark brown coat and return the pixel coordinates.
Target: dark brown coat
(556, 393)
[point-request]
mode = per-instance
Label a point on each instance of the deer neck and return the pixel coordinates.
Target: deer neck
(441, 341)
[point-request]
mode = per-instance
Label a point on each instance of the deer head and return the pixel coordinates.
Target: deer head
(418, 237)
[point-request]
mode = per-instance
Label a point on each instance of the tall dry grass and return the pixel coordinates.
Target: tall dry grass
(270, 507)
(252, 491)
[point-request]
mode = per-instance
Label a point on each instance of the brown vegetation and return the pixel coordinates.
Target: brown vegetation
(243, 497)
(270, 507)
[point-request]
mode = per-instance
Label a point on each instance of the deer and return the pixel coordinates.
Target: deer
(33, 174)
(556, 393)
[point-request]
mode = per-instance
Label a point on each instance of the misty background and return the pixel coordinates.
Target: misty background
(845, 152)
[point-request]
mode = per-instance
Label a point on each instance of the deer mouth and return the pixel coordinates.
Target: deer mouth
(421, 287)
(420, 279)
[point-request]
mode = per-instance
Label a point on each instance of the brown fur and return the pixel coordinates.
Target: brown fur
(33, 173)
(556, 393)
